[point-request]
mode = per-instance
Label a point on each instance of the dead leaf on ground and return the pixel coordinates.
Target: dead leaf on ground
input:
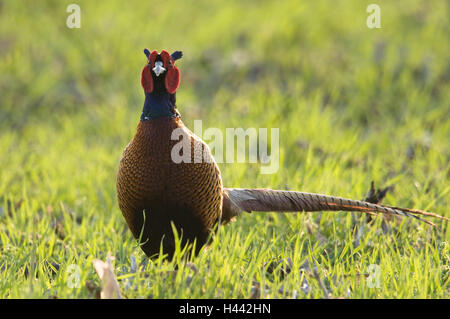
(110, 287)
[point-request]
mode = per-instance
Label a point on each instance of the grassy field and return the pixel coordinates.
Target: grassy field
(352, 104)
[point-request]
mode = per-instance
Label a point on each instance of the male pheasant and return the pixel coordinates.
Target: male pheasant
(156, 192)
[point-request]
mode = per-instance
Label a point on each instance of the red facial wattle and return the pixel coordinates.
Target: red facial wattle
(172, 80)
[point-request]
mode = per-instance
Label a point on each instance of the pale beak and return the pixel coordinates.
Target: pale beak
(158, 69)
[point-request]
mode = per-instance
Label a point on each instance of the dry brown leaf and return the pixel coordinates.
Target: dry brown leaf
(110, 287)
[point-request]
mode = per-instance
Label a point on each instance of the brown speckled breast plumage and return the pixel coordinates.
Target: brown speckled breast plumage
(187, 194)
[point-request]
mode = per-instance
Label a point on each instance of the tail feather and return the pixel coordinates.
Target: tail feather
(238, 200)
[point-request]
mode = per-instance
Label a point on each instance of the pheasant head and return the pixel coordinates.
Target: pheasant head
(160, 73)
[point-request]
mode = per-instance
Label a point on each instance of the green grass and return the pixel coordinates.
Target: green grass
(353, 105)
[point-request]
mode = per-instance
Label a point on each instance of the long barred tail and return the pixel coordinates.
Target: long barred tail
(238, 200)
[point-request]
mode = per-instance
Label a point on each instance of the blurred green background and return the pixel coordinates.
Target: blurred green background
(353, 105)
